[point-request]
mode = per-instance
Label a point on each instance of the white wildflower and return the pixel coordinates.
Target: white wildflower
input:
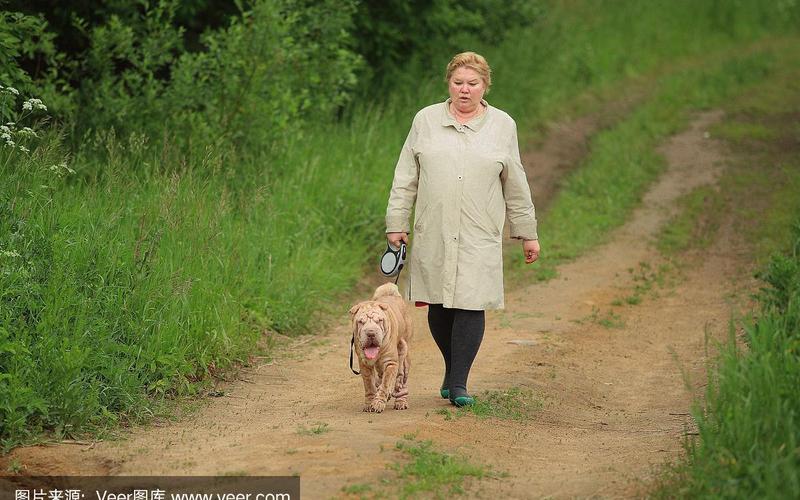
(33, 103)
(13, 90)
(61, 169)
(24, 149)
(27, 132)
(9, 253)
(5, 136)
(10, 143)
(5, 129)
(10, 124)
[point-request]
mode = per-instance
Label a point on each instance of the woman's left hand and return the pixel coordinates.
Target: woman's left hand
(531, 250)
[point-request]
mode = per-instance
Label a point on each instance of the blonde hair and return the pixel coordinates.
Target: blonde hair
(472, 61)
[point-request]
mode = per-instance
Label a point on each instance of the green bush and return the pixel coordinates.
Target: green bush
(281, 64)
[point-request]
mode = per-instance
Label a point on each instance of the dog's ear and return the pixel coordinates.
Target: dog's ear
(354, 309)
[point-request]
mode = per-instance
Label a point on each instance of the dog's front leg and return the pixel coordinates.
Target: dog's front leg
(387, 383)
(368, 376)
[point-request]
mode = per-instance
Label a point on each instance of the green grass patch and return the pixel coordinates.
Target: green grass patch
(433, 472)
(512, 404)
(696, 224)
(359, 489)
(314, 430)
(742, 131)
(608, 319)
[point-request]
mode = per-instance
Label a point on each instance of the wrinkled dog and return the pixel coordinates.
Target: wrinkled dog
(382, 331)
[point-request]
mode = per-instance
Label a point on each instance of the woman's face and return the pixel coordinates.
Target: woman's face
(466, 89)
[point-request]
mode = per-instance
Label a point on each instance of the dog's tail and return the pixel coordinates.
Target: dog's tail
(386, 290)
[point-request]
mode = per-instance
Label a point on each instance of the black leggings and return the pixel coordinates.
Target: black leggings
(458, 333)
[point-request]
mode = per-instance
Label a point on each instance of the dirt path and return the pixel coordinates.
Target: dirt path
(615, 401)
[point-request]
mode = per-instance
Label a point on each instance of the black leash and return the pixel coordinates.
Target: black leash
(353, 343)
(353, 338)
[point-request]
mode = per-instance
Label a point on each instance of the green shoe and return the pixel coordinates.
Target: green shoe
(444, 391)
(463, 401)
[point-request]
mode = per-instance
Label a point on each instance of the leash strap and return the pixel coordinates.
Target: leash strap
(352, 343)
(398, 274)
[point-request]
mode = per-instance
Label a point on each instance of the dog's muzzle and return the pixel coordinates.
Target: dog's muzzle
(371, 348)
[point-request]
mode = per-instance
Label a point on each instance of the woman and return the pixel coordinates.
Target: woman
(460, 164)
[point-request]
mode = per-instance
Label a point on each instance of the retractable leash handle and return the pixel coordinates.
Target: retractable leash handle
(393, 260)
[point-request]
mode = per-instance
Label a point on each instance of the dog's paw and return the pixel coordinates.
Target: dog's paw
(377, 406)
(400, 404)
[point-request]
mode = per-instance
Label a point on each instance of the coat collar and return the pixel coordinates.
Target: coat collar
(474, 124)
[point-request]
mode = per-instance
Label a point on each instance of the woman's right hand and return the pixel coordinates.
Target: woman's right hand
(396, 238)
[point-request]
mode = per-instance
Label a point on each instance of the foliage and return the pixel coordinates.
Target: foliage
(25, 37)
(401, 40)
(121, 84)
(282, 62)
(782, 279)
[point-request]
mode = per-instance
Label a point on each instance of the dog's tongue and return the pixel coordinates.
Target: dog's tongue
(371, 352)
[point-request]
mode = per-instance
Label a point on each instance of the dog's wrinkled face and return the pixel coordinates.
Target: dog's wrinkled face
(371, 327)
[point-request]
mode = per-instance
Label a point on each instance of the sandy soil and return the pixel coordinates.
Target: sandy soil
(615, 400)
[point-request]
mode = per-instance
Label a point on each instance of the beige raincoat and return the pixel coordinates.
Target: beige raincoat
(464, 179)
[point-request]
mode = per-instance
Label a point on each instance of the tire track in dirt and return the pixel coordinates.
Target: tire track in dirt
(614, 398)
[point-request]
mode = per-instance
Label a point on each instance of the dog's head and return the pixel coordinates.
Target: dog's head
(371, 327)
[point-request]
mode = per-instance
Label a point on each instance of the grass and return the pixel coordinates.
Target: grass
(357, 489)
(608, 320)
(15, 466)
(512, 404)
(696, 224)
(423, 471)
(748, 444)
(646, 279)
(145, 274)
(434, 472)
(315, 430)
